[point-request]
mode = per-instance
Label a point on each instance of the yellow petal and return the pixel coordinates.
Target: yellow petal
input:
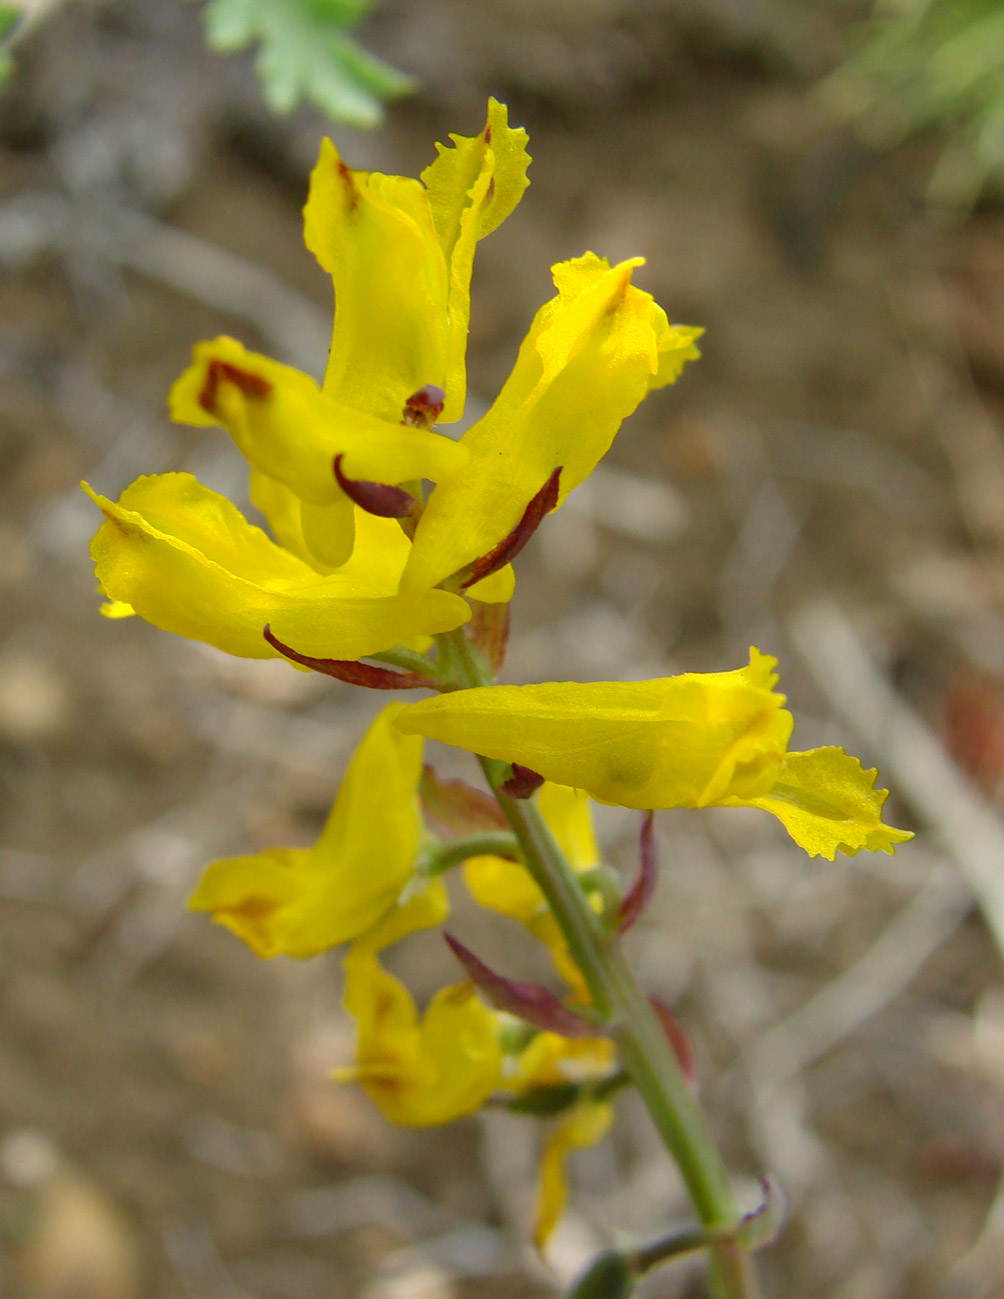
(586, 363)
(570, 819)
(304, 901)
(496, 588)
(550, 1060)
(586, 1125)
(375, 236)
(472, 187)
(290, 431)
(683, 741)
(187, 561)
(117, 609)
(503, 886)
(420, 1072)
(424, 905)
(828, 804)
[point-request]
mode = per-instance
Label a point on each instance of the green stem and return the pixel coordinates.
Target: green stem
(410, 660)
(616, 994)
(445, 856)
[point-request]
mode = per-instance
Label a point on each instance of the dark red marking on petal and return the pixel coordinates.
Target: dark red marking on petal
(489, 630)
(350, 185)
(351, 670)
(424, 407)
(381, 499)
(678, 1039)
(510, 546)
(488, 134)
(250, 384)
(528, 1001)
(457, 809)
(490, 192)
(523, 783)
(640, 893)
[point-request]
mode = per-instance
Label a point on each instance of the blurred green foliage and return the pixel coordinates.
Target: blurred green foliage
(932, 64)
(8, 21)
(306, 53)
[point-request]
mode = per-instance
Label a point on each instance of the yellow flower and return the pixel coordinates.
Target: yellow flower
(400, 255)
(301, 901)
(291, 432)
(550, 1061)
(506, 886)
(591, 355)
(587, 1123)
(421, 1070)
(399, 252)
(185, 559)
(695, 740)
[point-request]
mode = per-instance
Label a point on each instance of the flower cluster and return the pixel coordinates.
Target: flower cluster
(360, 563)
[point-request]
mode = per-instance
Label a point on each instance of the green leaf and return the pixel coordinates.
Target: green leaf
(9, 18)
(305, 53)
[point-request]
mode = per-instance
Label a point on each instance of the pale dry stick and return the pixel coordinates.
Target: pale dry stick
(862, 991)
(911, 756)
(293, 326)
(290, 323)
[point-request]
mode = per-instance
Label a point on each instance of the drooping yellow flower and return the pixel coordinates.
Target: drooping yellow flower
(421, 1070)
(591, 355)
(301, 901)
(507, 887)
(587, 1123)
(291, 432)
(695, 740)
(550, 1061)
(185, 559)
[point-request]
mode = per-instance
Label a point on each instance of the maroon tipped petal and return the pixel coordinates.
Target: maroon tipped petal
(424, 407)
(457, 809)
(678, 1039)
(640, 893)
(527, 1001)
(523, 783)
(381, 499)
(510, 546)
(489, 630)
(217, 372)
(351, 670)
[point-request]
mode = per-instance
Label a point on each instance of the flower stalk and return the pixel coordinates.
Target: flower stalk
(617, 996)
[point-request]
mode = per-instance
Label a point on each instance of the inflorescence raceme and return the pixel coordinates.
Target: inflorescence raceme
(359, 563)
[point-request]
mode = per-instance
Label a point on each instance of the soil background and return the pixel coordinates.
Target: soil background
(827, 483)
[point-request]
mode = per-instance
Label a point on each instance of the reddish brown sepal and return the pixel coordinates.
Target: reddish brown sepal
(217, 371)
(527, 1001)
(523, 783)
(640, 893)
(456, 809)
(676, 1036)
(489, 630)
(381, 499)
(351, 670)
(424, 407)
(510, 546)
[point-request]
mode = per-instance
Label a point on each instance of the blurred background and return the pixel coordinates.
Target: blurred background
(828, 483)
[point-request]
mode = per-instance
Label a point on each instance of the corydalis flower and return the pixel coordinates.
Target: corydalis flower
(399, 252)
(696, 740)
(301, 901)
(420, 1069)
